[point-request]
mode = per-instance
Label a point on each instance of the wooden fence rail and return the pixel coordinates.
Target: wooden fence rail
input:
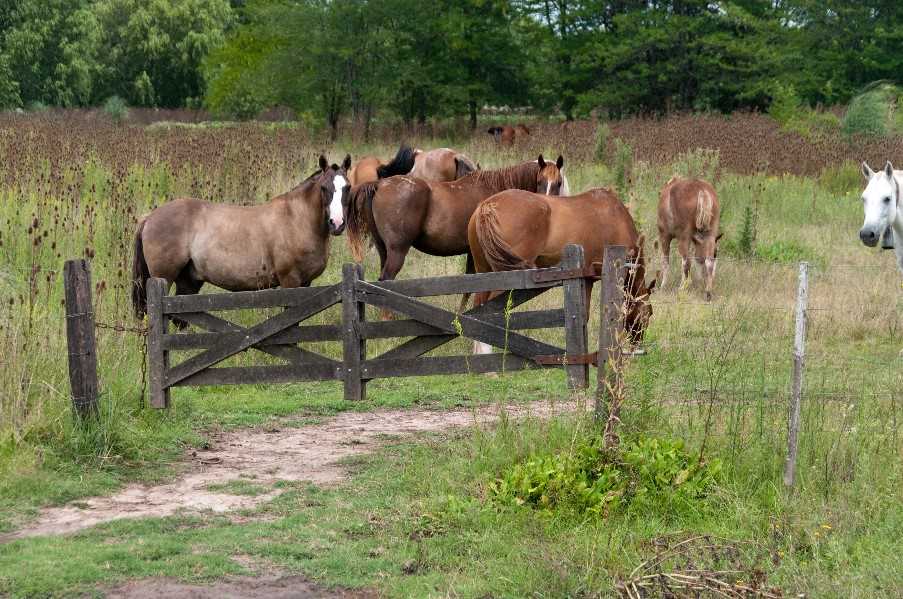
(426, 326)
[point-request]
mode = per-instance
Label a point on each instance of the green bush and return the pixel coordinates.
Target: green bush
(841, 180)
(603, 132)
(116, 108)
(872, 112)
(645, 476)
(789, 110)
(36, 106)
(786, 105)
(784, 252)
(699, 163)
(623, 167)
(746, 241)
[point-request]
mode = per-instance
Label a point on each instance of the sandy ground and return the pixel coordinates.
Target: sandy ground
(271, 587)
(263, 456)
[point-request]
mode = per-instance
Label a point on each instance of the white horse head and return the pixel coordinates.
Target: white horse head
(879, 202)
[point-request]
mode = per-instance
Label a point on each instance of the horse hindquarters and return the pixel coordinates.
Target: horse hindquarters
(398, 211)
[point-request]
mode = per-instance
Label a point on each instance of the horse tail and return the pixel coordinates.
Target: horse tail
(498, 252)
(400, 165)
(704, 205)
(140, 274)
(360, 213)
(463, 166)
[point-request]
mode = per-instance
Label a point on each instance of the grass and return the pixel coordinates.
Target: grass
(413, 521)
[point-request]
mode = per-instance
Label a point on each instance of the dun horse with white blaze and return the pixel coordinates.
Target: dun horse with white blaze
(284, 242)
(881, 204)
(688, 211)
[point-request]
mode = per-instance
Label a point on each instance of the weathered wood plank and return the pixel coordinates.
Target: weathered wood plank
(387, 368)
(354, 348)
(80, 337)
(239, 300)
(610, 335)
(157, 355)
(250, 375)
(471, 326)
(325, 297)
(575, 310)
(303, 334)
(799, 358)
(472, 283)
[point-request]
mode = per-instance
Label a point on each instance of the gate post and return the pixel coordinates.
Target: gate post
(354, 348)
(575, 318)
(799, 357)
(80, 336)
(610, 333)
(157, 356)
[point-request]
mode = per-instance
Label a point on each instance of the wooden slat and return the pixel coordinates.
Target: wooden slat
(354, 346)
(157, 356)
(535, 319)
(238, 300)
(303, 334)
(575, 310)
(471, 326)
(326, 297)
(80, 337)
(474, 283)
(249, 375)
(386, 368)
(227, 331)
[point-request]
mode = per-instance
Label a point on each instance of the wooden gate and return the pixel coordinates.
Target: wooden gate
(428, 326)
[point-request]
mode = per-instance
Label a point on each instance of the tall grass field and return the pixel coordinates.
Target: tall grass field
(430, 516)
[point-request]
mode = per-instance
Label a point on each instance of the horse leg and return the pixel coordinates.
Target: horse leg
(683, 246)
(186, 285)
(665, 241)
(394, 261)
(469, 269)
(705, 256)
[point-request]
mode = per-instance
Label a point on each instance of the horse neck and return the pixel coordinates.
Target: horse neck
(302, 203)
(522, 176)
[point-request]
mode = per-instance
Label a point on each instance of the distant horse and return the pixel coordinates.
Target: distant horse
(403, 212)
(688, 211)
(441, 164)
(881, 204)
(515, 230)
(284, 242)
(506, 134)
(370, 168)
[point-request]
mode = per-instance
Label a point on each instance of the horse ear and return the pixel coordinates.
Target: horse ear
(867, 171)
(560, 162)
(541, 161)
(346, 164)
(889, 170)
(324, 164)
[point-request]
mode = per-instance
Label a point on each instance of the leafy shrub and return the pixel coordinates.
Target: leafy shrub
(841, 180)
(784, 252)
(623, 166)
(789, 110)
(603, 132)
(698, 162)
(116, 108)
(871, 113)
(645, 476)
(786, 105)
(36, 106)
(746, 241)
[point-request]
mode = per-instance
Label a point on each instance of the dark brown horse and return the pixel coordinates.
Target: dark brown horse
(506, 135)
(371, 168)
(403, 212)
(284, 242)
(441, 164)
(516, 230)
(688, 211)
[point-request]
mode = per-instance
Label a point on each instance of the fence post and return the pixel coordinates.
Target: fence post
(799, 354)
(354, 348)
(157, 357)
(80, 336)
(611, 324)
(575, 317)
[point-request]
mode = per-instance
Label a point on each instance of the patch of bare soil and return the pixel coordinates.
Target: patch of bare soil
(264, 456)
(272, 587)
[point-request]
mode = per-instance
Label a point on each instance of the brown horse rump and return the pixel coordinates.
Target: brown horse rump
(441, 164)
(371, 168)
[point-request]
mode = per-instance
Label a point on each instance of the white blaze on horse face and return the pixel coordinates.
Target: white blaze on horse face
(336, 215)
(879, 203)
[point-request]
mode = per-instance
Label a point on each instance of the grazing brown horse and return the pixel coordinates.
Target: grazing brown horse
(284, 242)
(441, 164)
(403, 212)
(688, 211)
(506, 134)
(516, 230)
(371, 168)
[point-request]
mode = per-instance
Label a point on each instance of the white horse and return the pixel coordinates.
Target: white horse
(883, 216)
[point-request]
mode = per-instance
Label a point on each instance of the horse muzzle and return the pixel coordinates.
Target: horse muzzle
(869, 236)
(336, 230)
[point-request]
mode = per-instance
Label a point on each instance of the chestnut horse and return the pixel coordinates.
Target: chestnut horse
(403, 212)
(516, 230)
(371, 168)
(688, 211)
(284, 242)
(441, 164)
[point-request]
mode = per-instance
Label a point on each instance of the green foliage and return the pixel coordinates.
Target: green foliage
(841, 180)
(116, 108)
(785, 252)
(648, 476)
(701, 163)
(871, 113)
(9, 87)
(746, 241)
(623, 167)
(603, 132)
(788, 109)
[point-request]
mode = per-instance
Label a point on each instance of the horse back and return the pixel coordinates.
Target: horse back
(689, 206)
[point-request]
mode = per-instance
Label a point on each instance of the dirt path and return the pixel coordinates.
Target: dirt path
(270, 587)
(263, 456)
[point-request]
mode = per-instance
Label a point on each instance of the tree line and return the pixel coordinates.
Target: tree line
(414, 60)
